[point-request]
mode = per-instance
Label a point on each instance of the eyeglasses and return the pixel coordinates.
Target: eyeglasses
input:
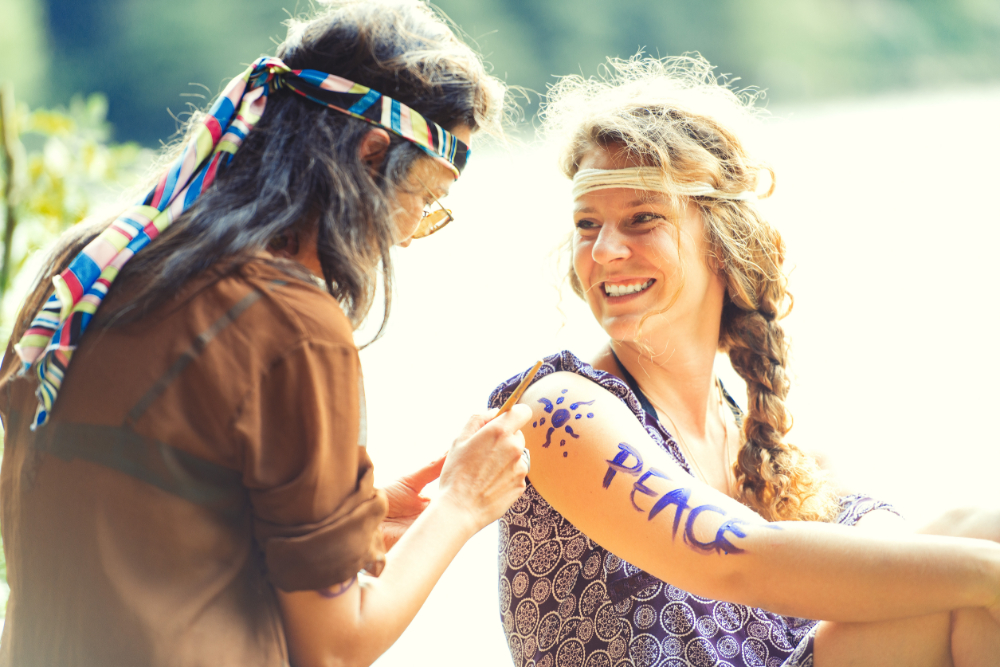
(432, 220)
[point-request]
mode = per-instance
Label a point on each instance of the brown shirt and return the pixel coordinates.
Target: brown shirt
(192, 460)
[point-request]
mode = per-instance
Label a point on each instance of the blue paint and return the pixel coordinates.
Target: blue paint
(565, 453)
(338, 589)
(689, 528)
(680, 498)
(561, 417)
(617, 464)
(641, 487)
(564, 391)
(677, 497)
(590, 415)
(534, 424)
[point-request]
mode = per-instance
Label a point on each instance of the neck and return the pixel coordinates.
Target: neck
(680, 379)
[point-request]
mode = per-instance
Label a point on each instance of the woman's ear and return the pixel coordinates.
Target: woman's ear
(716, 264)
(373, 148)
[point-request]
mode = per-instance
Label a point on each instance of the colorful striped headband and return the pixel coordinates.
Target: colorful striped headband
(56, 331)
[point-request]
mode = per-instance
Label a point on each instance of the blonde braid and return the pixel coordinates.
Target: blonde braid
(774, 477)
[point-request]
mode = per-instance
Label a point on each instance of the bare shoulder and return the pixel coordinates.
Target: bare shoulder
(561, 383)
(566, 405)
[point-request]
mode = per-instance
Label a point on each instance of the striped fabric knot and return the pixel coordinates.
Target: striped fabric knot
(55, 333)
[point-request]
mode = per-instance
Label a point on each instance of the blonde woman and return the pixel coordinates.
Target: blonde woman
(661, 520)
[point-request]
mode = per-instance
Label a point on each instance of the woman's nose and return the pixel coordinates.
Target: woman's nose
(610, 245)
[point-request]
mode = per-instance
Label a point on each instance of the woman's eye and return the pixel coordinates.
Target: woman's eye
(586, 225)
(646, 218)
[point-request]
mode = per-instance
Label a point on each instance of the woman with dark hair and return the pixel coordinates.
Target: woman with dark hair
(184, 478)
(662, 524)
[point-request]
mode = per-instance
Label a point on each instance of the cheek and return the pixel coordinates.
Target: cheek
(409, 210)
(582, 260)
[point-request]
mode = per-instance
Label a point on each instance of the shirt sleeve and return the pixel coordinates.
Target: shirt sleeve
(316, 512)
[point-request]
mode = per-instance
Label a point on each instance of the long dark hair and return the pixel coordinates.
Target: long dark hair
(300, 166)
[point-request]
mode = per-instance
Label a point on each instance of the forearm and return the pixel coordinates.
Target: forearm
(809, 570)
(413, 567)
(840, 573)
(357, 628)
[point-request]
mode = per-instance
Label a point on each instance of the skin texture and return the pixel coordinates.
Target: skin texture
(354, 622)
(666, 336)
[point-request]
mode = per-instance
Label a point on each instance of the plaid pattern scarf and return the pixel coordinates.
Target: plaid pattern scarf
(54, 334)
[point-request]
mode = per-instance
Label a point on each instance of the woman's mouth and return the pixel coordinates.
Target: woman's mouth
(626, 288)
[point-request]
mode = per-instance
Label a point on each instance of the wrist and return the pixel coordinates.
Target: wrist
(460, 514)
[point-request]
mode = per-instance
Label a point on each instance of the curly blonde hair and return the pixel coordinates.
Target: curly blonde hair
(677, 115)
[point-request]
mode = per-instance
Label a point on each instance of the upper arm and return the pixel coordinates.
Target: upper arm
(594, 462)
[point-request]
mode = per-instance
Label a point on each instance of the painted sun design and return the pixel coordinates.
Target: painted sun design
(561, 417)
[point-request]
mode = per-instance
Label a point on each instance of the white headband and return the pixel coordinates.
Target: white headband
(647, 178)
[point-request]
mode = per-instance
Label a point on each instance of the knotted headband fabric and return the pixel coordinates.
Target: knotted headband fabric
(57, 329)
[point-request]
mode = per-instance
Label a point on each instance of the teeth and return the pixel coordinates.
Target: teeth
(622, 290)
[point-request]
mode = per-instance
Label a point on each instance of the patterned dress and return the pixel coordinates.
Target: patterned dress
(565, 601)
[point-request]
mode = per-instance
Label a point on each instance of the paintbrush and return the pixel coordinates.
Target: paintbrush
(516, 396)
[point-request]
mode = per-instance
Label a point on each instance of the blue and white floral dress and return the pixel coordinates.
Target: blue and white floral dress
(565, 601)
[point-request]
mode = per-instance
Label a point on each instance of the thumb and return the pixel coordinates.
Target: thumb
(418, 479)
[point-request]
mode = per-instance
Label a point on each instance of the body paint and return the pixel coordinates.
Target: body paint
(680, 498)
(337, 590)
(645, 490)
(617, 464)
(560, 418)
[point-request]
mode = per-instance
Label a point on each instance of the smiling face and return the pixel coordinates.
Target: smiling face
(635, 255)
(414, 198)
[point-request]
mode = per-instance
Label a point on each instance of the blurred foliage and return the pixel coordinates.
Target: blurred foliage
(153, 57)
(64, 169)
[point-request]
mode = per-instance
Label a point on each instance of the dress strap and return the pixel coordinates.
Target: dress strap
(634, 386)
(648, 406)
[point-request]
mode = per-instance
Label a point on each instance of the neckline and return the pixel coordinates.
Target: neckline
(647, 405)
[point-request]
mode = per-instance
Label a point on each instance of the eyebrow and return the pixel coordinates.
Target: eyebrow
(657, 198)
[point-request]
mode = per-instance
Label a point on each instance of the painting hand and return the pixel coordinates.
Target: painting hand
(485, 469)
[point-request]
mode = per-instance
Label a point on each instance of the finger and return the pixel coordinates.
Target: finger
(515, 418)
(474, 423)
(418, 479)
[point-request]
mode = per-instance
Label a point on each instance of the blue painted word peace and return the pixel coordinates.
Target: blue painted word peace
(678, 498)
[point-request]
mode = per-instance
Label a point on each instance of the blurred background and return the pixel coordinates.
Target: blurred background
(883, 132)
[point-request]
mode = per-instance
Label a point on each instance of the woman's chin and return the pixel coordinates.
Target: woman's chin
(621, 328)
